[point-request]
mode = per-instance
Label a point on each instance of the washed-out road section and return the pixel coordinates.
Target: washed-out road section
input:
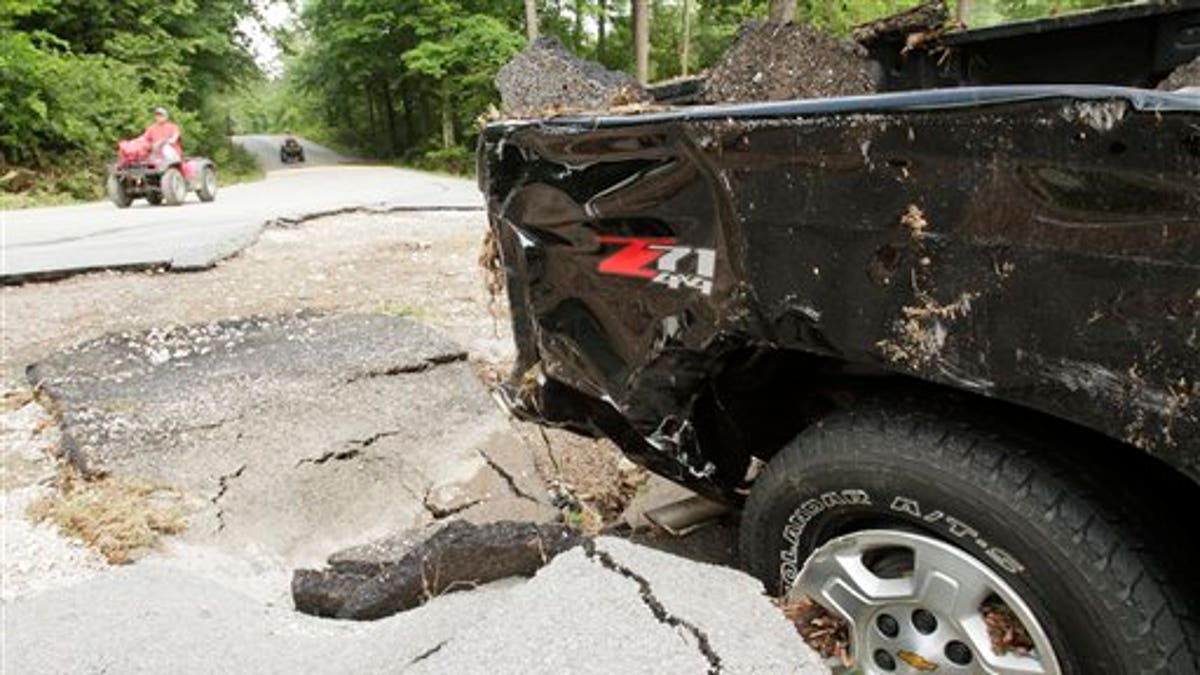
(58, 241)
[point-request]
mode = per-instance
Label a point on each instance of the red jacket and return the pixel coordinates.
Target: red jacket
(167, 131)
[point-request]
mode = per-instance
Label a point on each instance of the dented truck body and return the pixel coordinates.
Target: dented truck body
(699, 284)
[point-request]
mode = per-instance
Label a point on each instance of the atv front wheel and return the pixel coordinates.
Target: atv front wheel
(208, 185)
(173, 187)
(116, 192)
(928, 536)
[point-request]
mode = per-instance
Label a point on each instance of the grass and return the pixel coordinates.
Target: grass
(406, 311)
(117, 517)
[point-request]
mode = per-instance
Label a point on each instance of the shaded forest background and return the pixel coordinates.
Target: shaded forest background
(377, 78)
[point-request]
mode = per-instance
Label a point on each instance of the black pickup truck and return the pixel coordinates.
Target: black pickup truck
(940, 346)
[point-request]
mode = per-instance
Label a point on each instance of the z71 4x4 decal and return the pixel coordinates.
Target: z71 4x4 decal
(661, 261)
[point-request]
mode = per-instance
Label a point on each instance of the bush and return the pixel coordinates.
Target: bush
(456, 160)
(55, 104)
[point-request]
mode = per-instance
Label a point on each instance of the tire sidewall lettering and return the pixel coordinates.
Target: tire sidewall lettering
(947, 526)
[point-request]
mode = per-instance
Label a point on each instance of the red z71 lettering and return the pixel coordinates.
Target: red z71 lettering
(636, 256)
(659, 260)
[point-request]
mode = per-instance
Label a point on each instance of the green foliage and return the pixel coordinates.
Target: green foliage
(990, 12)
(78, 75)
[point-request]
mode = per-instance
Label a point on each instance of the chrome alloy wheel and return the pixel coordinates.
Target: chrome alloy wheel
(914, 604)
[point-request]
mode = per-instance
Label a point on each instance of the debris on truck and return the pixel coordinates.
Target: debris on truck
(773, 62)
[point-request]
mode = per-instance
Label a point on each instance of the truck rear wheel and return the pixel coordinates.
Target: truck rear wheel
(173, 187)
(944, 545)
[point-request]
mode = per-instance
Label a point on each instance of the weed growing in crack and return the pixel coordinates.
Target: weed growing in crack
(118, 517)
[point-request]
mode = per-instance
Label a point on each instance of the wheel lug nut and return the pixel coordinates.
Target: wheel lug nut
(924, 621)
(958, 653)
(887, 624)
(884, 660)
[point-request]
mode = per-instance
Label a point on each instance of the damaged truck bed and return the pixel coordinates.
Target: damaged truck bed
(699, 285)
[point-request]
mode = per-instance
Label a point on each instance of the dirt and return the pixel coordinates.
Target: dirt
(422, 265)
(770, 62)
(546, 78)
(1187, 75)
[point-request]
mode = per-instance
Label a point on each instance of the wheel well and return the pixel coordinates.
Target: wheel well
(758, 400)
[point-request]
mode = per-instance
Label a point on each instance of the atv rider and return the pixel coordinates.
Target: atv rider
(163, 137)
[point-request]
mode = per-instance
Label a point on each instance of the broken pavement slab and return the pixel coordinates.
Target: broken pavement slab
(294, 435)
(615, 607)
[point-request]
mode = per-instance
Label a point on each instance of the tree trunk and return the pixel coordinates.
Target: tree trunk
(641, 39)
(601, 28)
(531, 20)
(389, 109)
(686, 48)
(963, 11)
(447, 117)
(371, 120)
(579, 5)
(783, 11)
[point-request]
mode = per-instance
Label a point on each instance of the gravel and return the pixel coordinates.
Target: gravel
(36, 558)
(770, 62)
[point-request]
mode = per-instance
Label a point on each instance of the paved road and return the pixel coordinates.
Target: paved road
(266, 148)
(63, 240)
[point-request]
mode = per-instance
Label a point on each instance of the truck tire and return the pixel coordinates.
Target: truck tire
(208, 185)
(173, 187)
(917, 529)
(116, 192)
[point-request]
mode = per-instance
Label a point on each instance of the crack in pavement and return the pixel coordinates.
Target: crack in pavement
(222, 488)
(285, 222)
(408, 369)
(508, 478)
(356, 449)
(657, 608)
(429, 652)
(440, 513)
(373, 438)
(338, 455)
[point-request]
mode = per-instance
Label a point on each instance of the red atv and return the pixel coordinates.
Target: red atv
(137, 173)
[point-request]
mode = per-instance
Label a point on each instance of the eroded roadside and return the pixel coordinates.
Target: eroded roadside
(384, 268)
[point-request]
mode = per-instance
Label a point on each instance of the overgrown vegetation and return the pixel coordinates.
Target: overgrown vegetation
(77, 75)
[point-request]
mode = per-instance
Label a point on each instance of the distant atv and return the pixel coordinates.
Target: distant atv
(137, 173)
(291, 151)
